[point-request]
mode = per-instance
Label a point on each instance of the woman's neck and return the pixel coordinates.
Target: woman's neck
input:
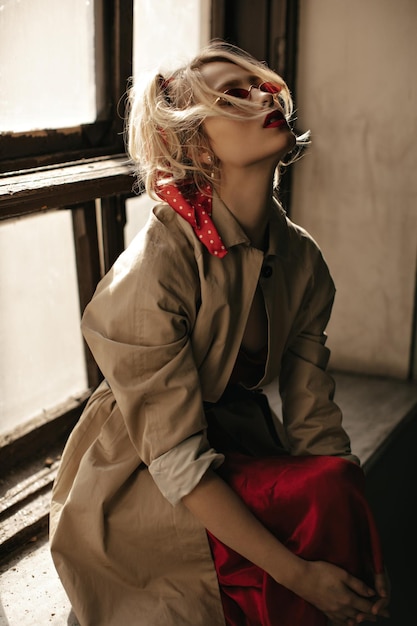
(247, 195)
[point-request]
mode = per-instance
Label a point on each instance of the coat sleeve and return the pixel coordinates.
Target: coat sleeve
(312, 420)
(138, 328)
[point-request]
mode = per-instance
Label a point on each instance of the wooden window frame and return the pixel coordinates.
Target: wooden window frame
(84, 170)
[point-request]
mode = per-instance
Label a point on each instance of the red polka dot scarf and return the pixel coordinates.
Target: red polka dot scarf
(195, 207)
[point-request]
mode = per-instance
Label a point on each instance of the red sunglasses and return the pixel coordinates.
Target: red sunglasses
(243, 94)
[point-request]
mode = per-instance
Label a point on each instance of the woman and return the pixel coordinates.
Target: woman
(180, 500)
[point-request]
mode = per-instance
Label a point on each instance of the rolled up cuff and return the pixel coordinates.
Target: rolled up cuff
(179, 470)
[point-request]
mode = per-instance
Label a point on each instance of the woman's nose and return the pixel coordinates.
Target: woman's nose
(264, 97)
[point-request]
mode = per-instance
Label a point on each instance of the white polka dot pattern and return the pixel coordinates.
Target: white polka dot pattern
(192, 207)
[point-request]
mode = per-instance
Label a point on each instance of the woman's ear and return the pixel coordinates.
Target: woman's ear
(202, 156)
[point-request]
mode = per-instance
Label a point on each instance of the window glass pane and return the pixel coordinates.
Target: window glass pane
(167, 33)
(47, 63)
(42, 358)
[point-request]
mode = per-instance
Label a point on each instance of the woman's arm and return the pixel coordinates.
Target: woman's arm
(312, 420)
(339, 595)
(224, 514)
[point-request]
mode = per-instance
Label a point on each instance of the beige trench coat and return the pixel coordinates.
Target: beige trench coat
(165, 327)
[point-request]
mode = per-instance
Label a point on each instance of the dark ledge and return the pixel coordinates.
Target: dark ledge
(50, 187)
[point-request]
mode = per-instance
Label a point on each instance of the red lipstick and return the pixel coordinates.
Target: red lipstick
(274, 119)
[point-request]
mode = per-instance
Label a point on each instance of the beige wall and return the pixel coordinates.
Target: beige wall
(356, 188)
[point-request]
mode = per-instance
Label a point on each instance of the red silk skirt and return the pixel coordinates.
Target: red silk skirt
(317, 508)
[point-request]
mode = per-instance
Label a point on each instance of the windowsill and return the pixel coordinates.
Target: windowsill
(375, 410)
(29, 460)
(49, 187)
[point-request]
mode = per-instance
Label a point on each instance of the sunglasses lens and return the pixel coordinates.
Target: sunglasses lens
(243, 94)
(237, 93)
(270, 87)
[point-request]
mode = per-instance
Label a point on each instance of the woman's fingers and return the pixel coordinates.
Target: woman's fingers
(365, 604)
(360, 588)
(362, 617)
(380, 608)
(383, 586)
(383, 589)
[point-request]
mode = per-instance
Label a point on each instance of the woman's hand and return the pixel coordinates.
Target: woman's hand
(343, 598)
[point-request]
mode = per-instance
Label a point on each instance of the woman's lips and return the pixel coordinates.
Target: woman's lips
(274, 119)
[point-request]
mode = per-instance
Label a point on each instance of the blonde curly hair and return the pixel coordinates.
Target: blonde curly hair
(164, 133)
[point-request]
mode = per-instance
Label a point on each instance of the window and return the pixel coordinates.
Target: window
(63, 71)
(64, 177)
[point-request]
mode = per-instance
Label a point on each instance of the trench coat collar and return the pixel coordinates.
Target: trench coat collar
(232, 233)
